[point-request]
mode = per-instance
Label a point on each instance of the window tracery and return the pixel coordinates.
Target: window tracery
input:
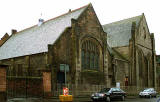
(89, 55)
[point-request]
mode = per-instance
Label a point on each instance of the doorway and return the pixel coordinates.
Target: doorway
(60, 77)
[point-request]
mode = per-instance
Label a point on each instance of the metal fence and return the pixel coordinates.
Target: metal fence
(21, 83)
(77, 90)
(24, 87)
(87, 89)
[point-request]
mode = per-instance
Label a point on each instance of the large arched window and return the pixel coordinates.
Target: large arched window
(89, 55)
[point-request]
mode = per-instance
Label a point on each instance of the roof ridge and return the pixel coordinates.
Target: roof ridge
(68, 12)
(56, 17)
(122, 20)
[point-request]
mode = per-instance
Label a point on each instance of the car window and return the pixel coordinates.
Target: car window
(148, 90)
(115, 89)
(105, 90)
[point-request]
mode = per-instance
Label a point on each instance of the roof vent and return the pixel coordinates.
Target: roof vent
(40, 22)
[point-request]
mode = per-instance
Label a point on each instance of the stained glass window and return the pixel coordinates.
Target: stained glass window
(89, 55)
(83, 59)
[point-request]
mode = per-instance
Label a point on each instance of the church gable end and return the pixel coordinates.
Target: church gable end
(143, 38)
(89, 24)
(90, 41)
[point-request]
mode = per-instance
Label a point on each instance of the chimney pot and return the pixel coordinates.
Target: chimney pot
(40, 22)
(69, 10)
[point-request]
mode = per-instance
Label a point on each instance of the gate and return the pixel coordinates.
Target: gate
(24, 85)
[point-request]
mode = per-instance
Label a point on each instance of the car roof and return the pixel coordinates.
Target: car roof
(148, 88)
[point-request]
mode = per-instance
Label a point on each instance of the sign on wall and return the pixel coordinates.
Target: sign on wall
(118, 84)
(64, 67)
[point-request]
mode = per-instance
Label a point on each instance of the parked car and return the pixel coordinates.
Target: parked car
(148, 92)
(107, 94)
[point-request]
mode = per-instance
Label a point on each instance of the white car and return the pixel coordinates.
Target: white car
(149, 92)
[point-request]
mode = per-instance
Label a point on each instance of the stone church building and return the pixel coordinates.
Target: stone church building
(122, 51)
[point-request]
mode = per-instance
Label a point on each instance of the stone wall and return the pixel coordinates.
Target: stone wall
(141, 44)
(24, 74)
(88, 28)
(144, 45)
(67, 48)
(121, 71)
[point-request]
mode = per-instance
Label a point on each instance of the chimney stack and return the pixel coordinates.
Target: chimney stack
(4, 39)
(14, 31)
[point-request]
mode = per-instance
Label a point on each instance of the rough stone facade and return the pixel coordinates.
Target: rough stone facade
(143, 56)
(137, 50)
(67, 50)
(25, 73)
(83, 46)
(158, 69)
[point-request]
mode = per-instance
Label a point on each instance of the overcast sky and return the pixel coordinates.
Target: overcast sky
(21, 14)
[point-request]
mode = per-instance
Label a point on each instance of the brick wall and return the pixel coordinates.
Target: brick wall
(2, 84)
(47, 81)
(2, 79)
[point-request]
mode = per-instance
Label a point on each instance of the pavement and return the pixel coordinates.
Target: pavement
(56, 99)
(53, 99)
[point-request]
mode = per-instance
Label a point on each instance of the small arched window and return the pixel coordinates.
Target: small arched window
(144, 32)
(89, 55)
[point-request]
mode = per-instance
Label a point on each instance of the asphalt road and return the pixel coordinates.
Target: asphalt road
(85, 100)
(140, 100)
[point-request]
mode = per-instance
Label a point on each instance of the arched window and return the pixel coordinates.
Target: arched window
(83, 58)
(140, 64)
(144, 32)
(89, 55)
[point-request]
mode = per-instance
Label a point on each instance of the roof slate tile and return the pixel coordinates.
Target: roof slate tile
(119, 32)
(36, 38)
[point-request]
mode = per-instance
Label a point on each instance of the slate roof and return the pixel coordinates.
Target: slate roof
(36, 39)
(116, 54)
(119, 32)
